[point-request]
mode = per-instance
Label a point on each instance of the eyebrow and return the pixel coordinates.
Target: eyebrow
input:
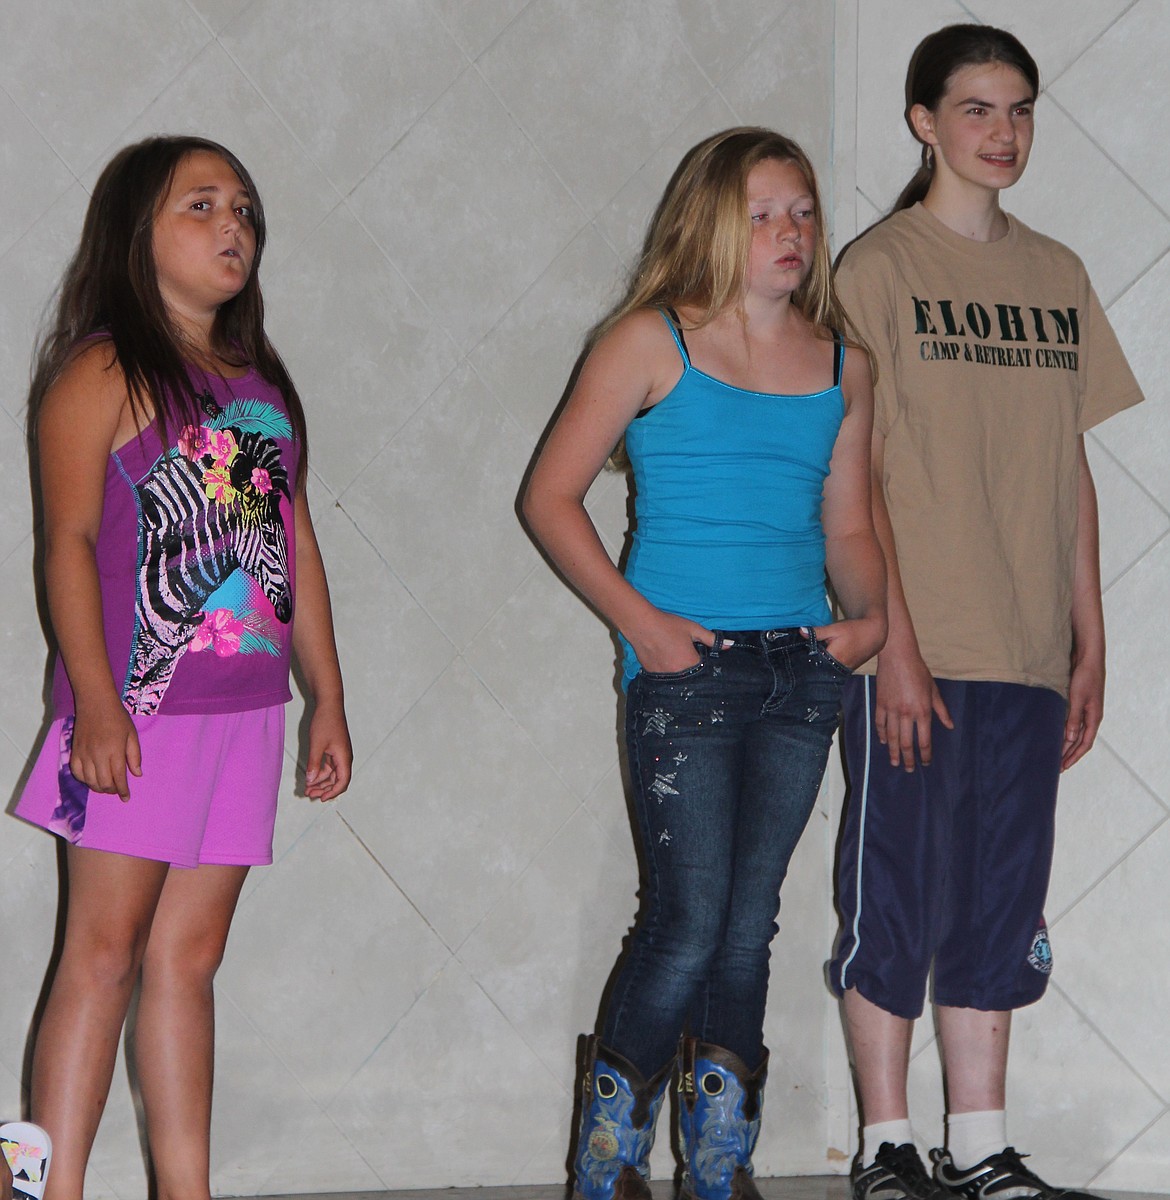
(204, 189)
(991, 103)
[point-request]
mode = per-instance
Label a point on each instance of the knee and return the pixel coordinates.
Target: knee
(103, 965)
(737, 952)
(749, 934)
(690, 940)
(192, 961)
(104, 959)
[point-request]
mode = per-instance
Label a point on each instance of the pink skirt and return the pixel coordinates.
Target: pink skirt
(207, 793)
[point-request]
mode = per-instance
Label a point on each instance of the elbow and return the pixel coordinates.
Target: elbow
(534, 513)
(882, 625)
(65, 546)
(530, 508)
(540, 503)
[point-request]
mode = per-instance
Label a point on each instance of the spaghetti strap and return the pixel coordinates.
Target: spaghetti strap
(838, 358)
(675, 327)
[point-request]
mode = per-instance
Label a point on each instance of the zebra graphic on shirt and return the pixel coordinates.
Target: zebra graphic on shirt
(209, 507)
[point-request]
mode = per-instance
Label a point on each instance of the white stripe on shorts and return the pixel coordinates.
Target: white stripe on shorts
(868, 681)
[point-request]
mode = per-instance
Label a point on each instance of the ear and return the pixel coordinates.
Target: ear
(922, 123)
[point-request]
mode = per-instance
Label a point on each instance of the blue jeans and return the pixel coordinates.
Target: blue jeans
(726, 759)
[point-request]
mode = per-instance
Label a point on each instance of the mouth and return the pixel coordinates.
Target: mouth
(790, 262)
(1000, 160)
(229, 253)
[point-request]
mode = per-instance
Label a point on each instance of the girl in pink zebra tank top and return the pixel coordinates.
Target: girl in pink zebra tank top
(182, 573)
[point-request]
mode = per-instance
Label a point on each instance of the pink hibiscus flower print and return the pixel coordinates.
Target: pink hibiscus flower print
(220, 631)
(199, 441)
(261, 480)
(194, 442)
(222, 446)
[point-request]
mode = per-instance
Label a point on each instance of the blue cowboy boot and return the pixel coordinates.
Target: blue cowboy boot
(719, 1121)
(618, 1112)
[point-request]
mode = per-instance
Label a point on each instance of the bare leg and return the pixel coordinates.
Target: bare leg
(112, 899)
(975, 1054)
(175, 1030)
(880, 1044)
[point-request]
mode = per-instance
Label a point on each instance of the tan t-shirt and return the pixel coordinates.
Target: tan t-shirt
(992, 358)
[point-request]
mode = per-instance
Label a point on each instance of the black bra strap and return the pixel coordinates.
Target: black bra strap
(838, 358)
(678, 329)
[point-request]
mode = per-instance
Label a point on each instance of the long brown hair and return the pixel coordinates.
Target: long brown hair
(932, 67)
(110, 289)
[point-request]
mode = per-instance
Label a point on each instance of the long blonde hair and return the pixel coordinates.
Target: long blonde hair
(696, 250)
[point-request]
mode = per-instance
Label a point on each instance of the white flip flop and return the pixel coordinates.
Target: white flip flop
(28, 1151)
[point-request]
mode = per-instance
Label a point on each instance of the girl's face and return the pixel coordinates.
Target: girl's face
(982, 129)
(784, 227)
(203, 238)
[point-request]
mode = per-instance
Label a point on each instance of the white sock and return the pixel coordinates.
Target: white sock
(897, 1133)
(972, 1136)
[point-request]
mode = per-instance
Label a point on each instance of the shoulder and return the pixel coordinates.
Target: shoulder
(883, 240)
(644, 327)
(1034, 239)
(856, 368)
(639, 341)
(91, 378)
(93, 356)
(1053, 252)
(872, 259)
(87, 404)
(856, 377)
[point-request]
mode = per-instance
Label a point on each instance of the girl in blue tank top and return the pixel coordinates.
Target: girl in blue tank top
(746, 421)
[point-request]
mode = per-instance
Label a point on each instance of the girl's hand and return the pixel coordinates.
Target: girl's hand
(330, 762)
(105, 748)
(665, 644)
(853, 642)
(1086, 705)
(907, 700)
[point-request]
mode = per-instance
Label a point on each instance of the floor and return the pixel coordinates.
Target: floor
(810, 1187)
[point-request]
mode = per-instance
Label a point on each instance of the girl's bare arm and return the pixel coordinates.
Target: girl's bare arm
(634, 363)
(82, 416)
(327, 773)
(853, 556)
(907, 696)
(1086, 695)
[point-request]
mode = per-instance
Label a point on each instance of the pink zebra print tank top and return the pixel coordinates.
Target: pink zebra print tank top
(196, 558)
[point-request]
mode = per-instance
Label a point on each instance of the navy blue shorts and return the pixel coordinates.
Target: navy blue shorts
(948, 866)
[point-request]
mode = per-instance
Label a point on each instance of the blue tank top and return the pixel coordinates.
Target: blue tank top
(728, 489)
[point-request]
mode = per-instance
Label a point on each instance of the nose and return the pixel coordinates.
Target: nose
(788, 230)
(1004, 129)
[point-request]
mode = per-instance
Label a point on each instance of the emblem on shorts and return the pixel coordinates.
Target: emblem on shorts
(1040, 955)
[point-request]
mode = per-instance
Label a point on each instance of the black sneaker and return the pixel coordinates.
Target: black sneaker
(897, 1174)
(1001, 1176)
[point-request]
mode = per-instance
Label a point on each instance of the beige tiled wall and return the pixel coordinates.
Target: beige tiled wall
(454, 189)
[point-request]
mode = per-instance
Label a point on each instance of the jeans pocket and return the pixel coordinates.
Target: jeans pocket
(685, 673)
(820, 651)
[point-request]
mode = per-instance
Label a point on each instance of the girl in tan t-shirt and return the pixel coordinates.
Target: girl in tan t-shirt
(947, 839)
